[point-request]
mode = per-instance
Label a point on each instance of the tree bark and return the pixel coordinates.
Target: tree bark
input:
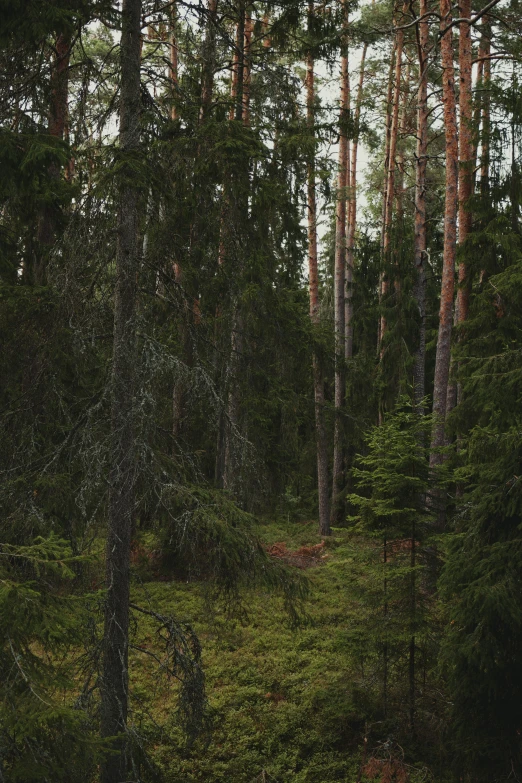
(234, 76)
(240, 69)
(465, 186)
(313, 286)
(352, 215)
(442, 362)
(114, 682)
(209, 60)
(173, 60)
(390, 182)
(57, 127)
(339, 282)
(403, 119)
(477, 110)
(240, 193)
(420, 248)
(465, 183)
(385, 180)
(247, 66)
(486, 120)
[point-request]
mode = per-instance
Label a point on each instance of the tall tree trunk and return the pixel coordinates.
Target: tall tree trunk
(209, 60)
(399, 189)
(57, 126)
(387, 140)
(247, 66)
(114, 682)
(232, 421)
(241, 61)
(352, 215)
(339, 283)
(390, 183)
(240, 194)
(477, 109)
(465, 183)
(486, 119)
(442, 362)
(173, 59)
(420, 249)
(235, 75)
(313, 284)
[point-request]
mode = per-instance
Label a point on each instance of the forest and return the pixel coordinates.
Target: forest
(261, 391)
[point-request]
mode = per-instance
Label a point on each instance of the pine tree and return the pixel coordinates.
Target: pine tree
(313, 286)
(442, 365)
(392, 479)
(122, 480)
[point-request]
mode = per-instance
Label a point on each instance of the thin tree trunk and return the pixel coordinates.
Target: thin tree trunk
(390, 183)
(173, 59)
(313, 284)
(465, 184)
(420, 249)
(339, 282)
(352, 215)
(235, 75)
(399, 183)
(241, 61)
(465, 150)
(233, 403)
(486, 119)
(114, 682)
(442, 362)
(247, 66)
(209, 60)
(179, 389)
(385, 645)
(399, 190)
(58, 121)
(413, 611)
(385, 179)
(477, 110)
(232, 420)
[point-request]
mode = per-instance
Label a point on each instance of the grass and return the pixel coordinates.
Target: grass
(287, 705)
(281, 699)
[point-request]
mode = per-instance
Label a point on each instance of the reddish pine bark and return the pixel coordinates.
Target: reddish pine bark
(339, 281)
(420, 253)
(313, 283)
(58, 114)
(442, 362)
(465, 184)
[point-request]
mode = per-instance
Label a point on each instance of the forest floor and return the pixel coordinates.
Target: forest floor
(287, 704)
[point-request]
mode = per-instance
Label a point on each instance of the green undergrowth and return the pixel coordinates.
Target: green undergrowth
(286, 704)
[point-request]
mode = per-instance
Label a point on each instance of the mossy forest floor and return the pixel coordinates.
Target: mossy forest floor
(287, 704)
